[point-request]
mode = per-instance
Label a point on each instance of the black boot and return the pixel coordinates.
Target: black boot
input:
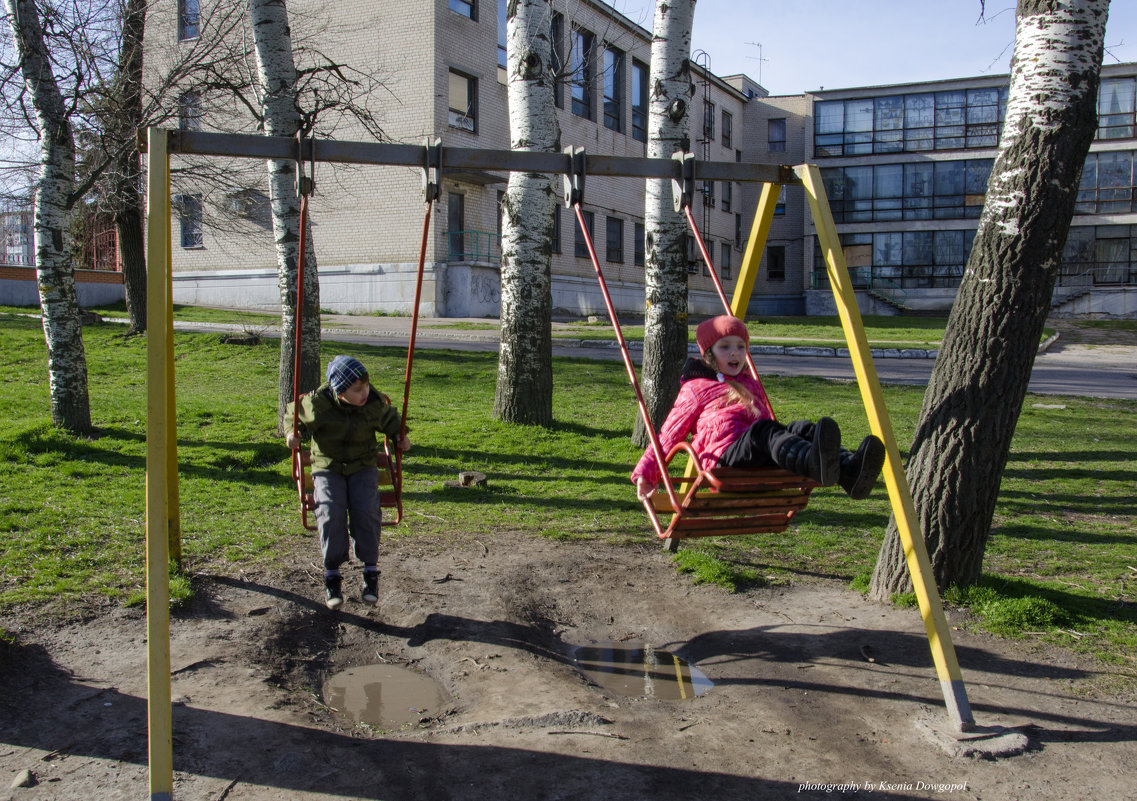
(859, 470)
(819, 459)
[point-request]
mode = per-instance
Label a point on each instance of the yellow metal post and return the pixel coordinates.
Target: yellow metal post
(752, 258)
(903, 508)
(158, 389)
(173, 503)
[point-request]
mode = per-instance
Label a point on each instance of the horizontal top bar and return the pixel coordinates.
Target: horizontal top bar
(201, 143)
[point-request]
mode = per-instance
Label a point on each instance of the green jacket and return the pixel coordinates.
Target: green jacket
(343, 436)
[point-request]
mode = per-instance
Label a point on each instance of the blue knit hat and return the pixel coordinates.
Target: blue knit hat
(343, 371)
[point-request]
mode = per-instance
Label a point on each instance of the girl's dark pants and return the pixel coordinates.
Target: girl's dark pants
(758, 444)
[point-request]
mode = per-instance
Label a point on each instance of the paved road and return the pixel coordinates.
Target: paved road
(1088, 371)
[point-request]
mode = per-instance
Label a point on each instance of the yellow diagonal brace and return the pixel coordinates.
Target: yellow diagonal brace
(158, 387)
(903, 508)
(752, 258)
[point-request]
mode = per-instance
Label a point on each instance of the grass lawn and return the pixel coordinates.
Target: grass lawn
(1060, 561)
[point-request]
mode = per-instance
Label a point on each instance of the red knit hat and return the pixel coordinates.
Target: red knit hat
(711, 331)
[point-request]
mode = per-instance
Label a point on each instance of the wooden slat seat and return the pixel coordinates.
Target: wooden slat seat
(728, 501)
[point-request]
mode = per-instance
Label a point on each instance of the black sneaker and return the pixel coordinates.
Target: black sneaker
(370, 592)
(333, 593)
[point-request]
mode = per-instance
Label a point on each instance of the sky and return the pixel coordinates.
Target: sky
(798, 46)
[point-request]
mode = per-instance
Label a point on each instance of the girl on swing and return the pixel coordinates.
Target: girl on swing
(732, 425)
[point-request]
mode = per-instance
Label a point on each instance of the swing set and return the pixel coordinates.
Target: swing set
(700, 503)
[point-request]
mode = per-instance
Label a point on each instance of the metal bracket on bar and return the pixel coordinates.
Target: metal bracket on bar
(574, 176)
(683, 187)
(305, 184)
(431, 168)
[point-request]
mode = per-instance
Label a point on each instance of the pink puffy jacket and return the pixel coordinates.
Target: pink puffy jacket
(705, 408)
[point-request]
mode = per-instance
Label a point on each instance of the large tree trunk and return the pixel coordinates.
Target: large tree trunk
(277, 72)
(665, 255)
(127, 195)
(525, 366)
(67, 360)
(980, 378)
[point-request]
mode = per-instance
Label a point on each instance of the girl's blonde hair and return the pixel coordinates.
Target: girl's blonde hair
(737, 391)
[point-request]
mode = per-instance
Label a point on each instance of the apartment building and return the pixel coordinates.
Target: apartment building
(905, 169)
(366, 221)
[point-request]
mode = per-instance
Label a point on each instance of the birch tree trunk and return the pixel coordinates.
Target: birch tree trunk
(980, 378)
(127, 196)
(525, 367)
(665, 251)
(277, 73)
(66, 358)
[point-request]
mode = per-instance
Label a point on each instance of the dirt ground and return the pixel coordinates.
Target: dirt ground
(796, 700)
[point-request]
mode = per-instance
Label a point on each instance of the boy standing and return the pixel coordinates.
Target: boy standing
(342, 417)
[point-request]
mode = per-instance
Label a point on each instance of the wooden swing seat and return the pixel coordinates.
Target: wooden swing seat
(728, 501)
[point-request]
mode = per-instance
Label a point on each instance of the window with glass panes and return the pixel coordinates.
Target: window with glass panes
(557, 35)
(727, 128)
(1108, 183)
(776, 135)
(639, 101)
(189, 19)
(724, 262)
(463, 101)
(1115, 108)
(614, 89)
(775, 262)
(581, 52)
(946, 120)
(580, 247)
(942, 190)
(615, 240)
(708, 120)
(464, 7)
(638, 245)
(189, 219)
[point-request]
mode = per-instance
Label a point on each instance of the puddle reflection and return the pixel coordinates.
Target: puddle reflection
(385, 696)
(634, 669)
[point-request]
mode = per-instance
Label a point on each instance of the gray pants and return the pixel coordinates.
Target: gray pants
(347, 505)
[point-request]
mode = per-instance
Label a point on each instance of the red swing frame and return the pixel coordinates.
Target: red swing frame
(390, 460)
(719, 501)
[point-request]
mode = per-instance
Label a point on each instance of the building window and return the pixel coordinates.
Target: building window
(724, 262)
(738, 231)
(1115, 108)
(727, 195)
(708, 121)
(709, 193)
(189, 216)
(580, 248)
(941, 190)
(776, 135)
(638, 246)
(692, 255)
(189, 19)
(780, 203)
(615, 240)
(949, 120)
(709, 244)
(557, 228)
(639, 101)
(466, 8)
(557, 35)
(727, 128)
(776, 262)
(614, 89)
(1107, 184)
(463, 101)
(189, 111)
(502, 33)
(582, 56)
